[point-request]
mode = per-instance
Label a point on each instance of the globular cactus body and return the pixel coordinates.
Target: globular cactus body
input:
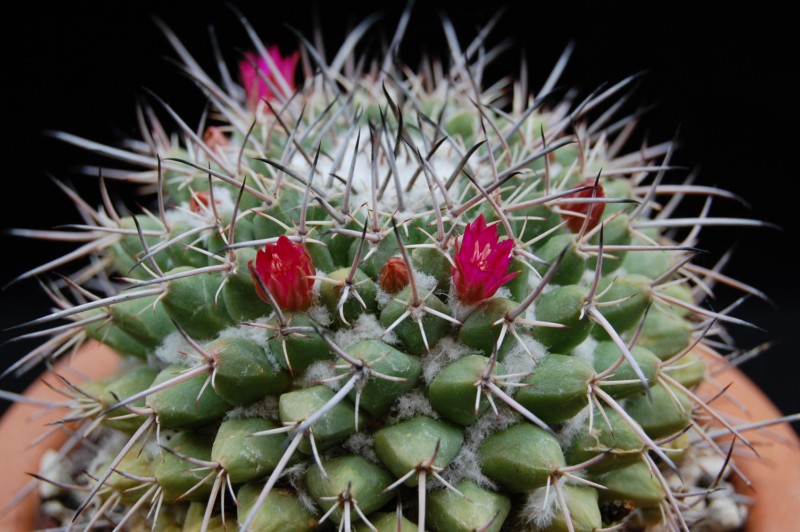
(392, 300)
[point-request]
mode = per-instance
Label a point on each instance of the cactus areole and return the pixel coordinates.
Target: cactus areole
(374, 298)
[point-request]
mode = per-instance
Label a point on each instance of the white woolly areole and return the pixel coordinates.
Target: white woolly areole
(522, 357)
(723, 513)
(383, 298)
(425, 283)
(366, 327)
(444, 353)
(320, 314)
(315, 288)
(174, 349)
(53, 467)
(256, 332)
(295, 475)
(503, 291)
(419, 196)
(585, 350)
(107, 449)
(572, 427)
(459, 310)
(362, 444)
(412, 404)
(467, 463)
(319, 371)
(267, 408)
(541, 505)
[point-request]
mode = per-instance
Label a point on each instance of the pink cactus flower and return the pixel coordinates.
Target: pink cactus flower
(254, 71)
(481, 262)
(287, 271)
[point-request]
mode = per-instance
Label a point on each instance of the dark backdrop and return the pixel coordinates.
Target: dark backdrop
(730, 85)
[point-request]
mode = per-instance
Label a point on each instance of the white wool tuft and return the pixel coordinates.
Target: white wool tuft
(571, 428)
(522, 358)
(107, 449)
(318, 372)
(724, 513)
(254, 331)
(412, 404)
(467, 465)
(503, 291)
(585, 350)
(458, 310)
(541, 506)
(445, 352)
(362, 444)
(56, 468)
(530, 312)
(267, 408)
(425, 283)
(366, 327)
(444, 163)
(295, 475)
(382, 297)
(319, 313)
(490, 423)
(174, 349)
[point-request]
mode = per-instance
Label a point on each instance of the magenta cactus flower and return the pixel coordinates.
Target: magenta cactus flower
(288, 273)
(481, 262)
(255, 71)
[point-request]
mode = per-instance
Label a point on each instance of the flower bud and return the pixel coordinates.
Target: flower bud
(286, 270)
(594, 211)
(394, 275)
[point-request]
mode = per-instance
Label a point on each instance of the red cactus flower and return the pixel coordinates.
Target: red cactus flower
(394, 275)
(287, 271)
(481, 262)
(574, 223)
(254, 71)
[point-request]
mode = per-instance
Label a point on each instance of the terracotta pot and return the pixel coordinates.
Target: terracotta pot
(774, 475)
(23, 423)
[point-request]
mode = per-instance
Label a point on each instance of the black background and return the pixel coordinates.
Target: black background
(727, 78)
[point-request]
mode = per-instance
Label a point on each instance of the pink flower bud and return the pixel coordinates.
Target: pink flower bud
(481, 262)
(287, 272)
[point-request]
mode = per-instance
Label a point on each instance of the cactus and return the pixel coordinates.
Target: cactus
(389, 300)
